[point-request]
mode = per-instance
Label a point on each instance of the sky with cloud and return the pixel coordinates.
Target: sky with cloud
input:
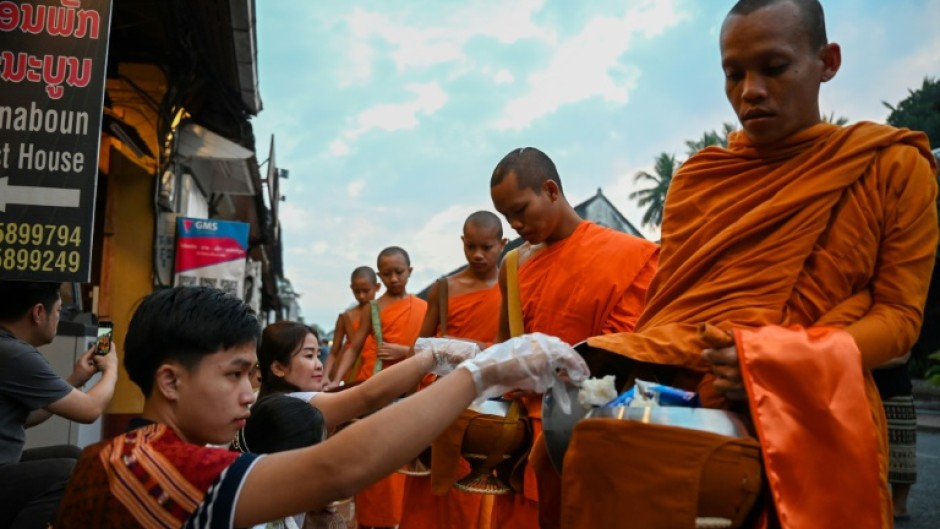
(391, 116)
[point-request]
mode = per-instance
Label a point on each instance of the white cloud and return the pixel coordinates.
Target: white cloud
(354, 188)
(503, 76)
(588, 65)
(338, 148)
(291, 214)
(429, 98)
(358, 68)
(421, 39)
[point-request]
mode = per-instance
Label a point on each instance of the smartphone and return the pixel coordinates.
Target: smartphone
(105, 331)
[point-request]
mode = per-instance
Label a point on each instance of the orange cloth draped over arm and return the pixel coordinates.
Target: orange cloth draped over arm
(810, 232)
(474, 316)
(797, 232)
(380, 504)
(592, 282)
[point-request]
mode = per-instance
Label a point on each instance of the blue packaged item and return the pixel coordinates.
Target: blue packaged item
(658, 394)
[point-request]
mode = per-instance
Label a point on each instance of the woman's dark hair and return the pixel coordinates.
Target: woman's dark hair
(279, 342)
(184, 324)
(279, 423)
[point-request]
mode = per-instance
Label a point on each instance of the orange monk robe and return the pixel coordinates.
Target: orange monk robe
(401, 323)
(833, 227)
(474, 316)
(592, 282)
(380, 504)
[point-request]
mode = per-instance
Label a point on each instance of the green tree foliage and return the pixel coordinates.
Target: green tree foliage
(665, 166)
(709, 138)
(919, 111)
(654, 198)
(831, 118)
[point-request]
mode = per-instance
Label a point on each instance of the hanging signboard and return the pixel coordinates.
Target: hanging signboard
(53, 57)
(211, 253)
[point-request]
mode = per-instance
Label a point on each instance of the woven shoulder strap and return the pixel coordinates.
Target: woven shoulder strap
(513, 301)
(376, 331)
(442, 298)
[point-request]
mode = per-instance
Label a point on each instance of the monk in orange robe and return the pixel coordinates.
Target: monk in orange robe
(575, 280)
(471, 304)
(364, 285)
(798, 259)
(400, 315)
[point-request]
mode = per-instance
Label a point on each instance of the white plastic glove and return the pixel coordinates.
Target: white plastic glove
(448, 353)
(530, 362)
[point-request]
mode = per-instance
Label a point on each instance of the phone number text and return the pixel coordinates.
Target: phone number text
(22, 259)
(26, 234)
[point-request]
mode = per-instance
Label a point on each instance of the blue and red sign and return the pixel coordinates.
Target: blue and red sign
(211, 252)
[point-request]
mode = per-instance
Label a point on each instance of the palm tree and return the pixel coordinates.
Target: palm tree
(654, 198)
(831, 118)
(711, 137)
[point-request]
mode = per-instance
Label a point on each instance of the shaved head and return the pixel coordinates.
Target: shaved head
(811, 11)
(364, 272)
(485, 220)
(531, 166)
(395, 250)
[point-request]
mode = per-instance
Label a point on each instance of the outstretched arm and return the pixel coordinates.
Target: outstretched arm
(428, 355)
(377, 445)
(354, 347)
(377, 391)
(339, 338)
(355, 457)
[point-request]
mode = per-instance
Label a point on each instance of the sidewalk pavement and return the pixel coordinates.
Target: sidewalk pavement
(927, 402)
(928, 421)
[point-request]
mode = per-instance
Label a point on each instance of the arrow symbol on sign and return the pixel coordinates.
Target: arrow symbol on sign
(37, 196)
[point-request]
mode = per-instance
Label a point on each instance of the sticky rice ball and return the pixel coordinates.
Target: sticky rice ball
(597, 392)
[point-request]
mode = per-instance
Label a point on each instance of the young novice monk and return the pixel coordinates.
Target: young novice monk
(364, 285)
(399, 316)
(190, 349)
(471, 304)
(575, 280)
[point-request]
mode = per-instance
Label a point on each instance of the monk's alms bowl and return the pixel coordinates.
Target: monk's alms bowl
(496, 438)
(558, 425)
(487, 424)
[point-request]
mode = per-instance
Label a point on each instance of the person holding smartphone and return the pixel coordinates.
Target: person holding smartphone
(33, 481)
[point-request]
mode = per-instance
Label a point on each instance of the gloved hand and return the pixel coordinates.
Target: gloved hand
(531, 362)
(448, 353)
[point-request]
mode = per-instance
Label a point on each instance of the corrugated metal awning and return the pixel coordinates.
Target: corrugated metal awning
(218, 164)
